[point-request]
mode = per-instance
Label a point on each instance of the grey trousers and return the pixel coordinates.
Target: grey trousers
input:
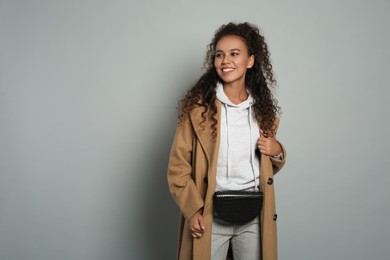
(244, 239)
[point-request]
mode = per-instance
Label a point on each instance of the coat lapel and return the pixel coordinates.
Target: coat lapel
(209, 144)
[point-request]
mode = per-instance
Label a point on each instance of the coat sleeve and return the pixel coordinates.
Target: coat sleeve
(278, 163)
(181, 184)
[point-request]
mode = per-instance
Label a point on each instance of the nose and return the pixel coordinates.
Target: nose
(225, 59)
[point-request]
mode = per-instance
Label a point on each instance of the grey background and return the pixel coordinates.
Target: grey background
(88, 91)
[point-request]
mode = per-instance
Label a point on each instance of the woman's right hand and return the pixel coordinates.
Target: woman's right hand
(196, 224)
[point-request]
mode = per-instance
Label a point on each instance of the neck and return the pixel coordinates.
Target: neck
(235, 92)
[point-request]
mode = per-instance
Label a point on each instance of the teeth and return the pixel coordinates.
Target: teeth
(227, 69)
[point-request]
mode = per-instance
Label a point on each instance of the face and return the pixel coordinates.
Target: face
(232, 59)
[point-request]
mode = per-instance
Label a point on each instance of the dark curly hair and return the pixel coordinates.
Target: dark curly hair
(258, 80)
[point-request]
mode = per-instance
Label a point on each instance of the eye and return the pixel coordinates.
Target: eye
(218, 55)
(235, 53)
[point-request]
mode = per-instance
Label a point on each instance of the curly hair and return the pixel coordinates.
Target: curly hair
(258, 80)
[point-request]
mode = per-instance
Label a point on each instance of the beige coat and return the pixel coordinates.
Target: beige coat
(192, 178)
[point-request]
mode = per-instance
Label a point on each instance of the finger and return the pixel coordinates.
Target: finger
(201, 224)
(263, 140)
(262, 146)
(196, 235)
(264, 151)
(195, 229)
(264, 134)
(203, 228)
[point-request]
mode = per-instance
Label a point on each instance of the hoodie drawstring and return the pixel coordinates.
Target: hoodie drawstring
(227, 137)
(250, 146)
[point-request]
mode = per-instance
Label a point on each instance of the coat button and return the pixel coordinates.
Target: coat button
(270, 181)
(206, 180)
(275, 217)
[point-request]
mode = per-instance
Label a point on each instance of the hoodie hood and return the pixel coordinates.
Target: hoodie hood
(221, 96)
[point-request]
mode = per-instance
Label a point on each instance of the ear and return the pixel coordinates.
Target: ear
(251, 61)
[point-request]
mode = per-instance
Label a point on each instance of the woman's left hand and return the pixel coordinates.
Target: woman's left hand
(268, 145)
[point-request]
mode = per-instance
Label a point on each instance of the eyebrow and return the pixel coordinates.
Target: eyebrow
(230, 50)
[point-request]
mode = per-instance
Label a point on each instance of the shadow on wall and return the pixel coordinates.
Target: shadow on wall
(159, 215)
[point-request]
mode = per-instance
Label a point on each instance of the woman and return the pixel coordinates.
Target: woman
(225, 140)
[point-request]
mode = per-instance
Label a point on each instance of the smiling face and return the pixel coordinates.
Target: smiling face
(232, 60)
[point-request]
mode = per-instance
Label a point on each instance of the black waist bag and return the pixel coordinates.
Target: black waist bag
(238, 207)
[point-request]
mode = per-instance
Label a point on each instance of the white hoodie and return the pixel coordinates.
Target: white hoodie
(238, 166)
